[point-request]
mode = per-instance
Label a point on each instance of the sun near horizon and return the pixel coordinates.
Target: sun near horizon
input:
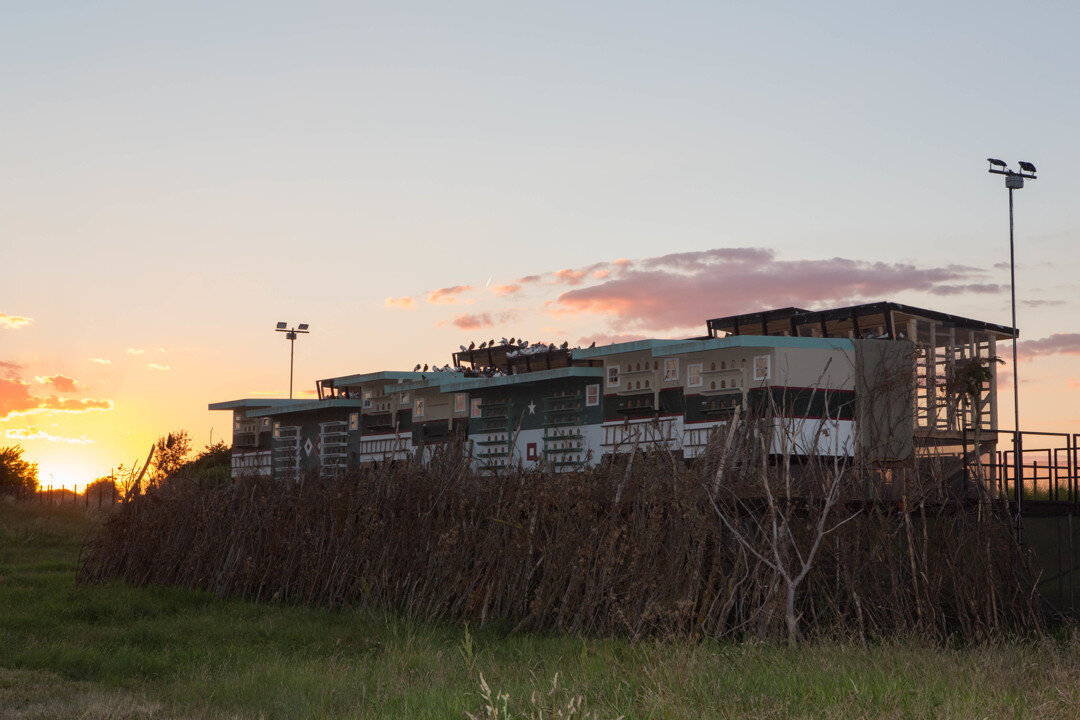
(179, 182)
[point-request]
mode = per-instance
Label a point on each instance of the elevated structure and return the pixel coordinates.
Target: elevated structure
(872, 378)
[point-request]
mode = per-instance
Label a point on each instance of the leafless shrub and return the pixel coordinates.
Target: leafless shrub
(744, 541)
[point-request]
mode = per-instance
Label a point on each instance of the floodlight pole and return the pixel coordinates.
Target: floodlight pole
(290, 335)
(1015, 181)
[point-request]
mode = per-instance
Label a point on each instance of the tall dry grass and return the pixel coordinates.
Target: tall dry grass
(644, 545)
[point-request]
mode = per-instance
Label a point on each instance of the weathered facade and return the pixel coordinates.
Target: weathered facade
(872, 378)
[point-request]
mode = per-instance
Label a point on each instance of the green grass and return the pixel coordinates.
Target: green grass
(121, 652)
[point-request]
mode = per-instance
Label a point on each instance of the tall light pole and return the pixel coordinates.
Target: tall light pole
(290, 335)
(1014, 181)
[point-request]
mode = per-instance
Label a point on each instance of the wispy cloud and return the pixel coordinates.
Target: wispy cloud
(16, 399)
(62, 383)
(505, 290)
(1056, 344)
(473, 321)
(9, 369)
(101, 361)
(155, 366)
(134, 351)
(448, 295)
(681, 290)
(401, 303)
(14, 322)
(35, 433)
(607, 339)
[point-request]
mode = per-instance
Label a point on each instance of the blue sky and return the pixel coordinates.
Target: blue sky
(180, 176)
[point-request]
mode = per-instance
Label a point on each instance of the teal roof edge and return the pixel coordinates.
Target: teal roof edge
(368, 377)
(626, 347)
(252, 403)
(523, 378)
(309, 405)
(756, 341)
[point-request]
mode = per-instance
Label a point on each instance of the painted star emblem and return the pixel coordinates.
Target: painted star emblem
(532, 408)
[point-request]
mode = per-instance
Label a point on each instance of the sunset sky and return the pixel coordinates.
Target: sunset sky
(406, 177)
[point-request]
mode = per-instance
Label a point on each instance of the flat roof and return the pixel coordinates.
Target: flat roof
(802, 316)
(626, 347)
(309, 405)
(246, 403)
(524, 378)
(755, 341)
(432, 380)
(369, 377)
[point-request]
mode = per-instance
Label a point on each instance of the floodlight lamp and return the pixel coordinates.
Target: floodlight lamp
(1027, 167)
(282, 325)
(996, 163)
(303, 326)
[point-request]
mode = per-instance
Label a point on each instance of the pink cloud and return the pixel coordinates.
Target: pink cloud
(14, 322)
(530, 279)
(16, 399)
(473, 322)
(447, 295)
(682, 290)
(402, 303)
(504, 290)
(61, 383)
(1056, 344)
(606, 339)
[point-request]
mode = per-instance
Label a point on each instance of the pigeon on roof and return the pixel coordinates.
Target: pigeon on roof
(512, 341)
(483, 345)
(503, 341)
(472, 345)
(417, 368)
(593, 344)
(425, 367)
(566, 344)
(463, 348)
(491, 343)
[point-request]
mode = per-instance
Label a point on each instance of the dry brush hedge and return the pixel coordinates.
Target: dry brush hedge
(648, 546)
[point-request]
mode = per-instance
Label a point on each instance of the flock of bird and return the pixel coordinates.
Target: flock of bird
(514, 348)
(518, 346)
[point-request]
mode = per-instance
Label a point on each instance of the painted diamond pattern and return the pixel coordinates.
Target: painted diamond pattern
(308, 447)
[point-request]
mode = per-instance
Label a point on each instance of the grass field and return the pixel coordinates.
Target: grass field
(121, 652)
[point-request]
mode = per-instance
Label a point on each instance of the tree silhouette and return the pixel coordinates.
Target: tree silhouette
(17, 476)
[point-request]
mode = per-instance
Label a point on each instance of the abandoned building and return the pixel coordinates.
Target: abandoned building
(870, 378)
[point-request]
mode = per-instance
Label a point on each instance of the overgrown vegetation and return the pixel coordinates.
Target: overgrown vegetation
(734, 545)
(109, 651)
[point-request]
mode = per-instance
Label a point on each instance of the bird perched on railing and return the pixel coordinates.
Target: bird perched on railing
(425, 367)
(417, 368)
(566, 344)
(472, 345)
(463, 348)
(483, 345)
